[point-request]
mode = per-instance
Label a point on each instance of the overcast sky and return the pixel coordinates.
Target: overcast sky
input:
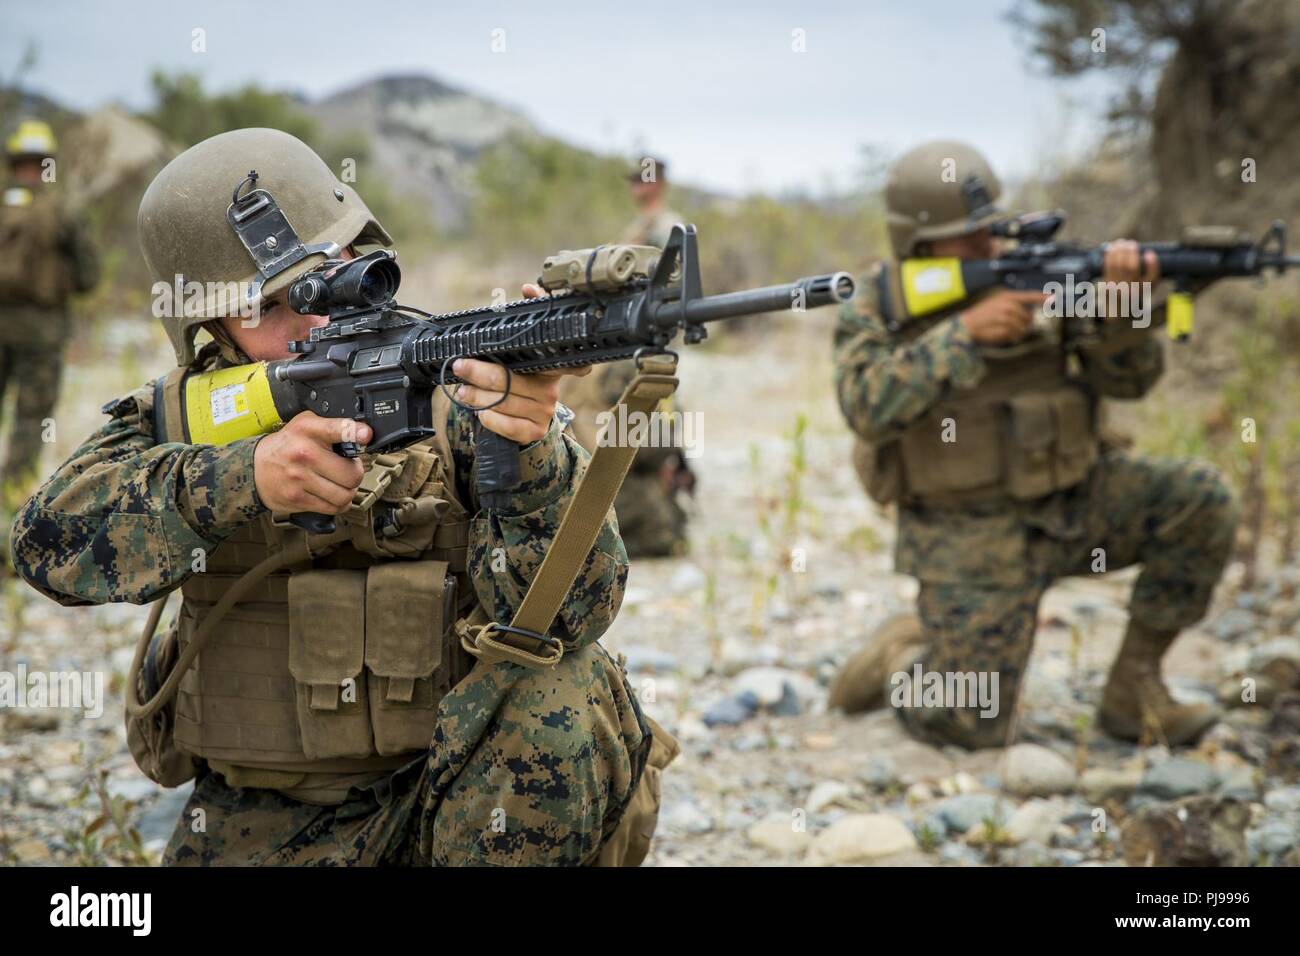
(718, 92)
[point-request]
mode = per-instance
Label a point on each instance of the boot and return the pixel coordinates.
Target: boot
(860, 685)
(1135, 699)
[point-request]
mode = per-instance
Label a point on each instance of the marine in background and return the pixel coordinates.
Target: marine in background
(983, 431)
(651, 518)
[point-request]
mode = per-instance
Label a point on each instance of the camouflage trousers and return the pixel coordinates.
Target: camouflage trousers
(650, 521)
(32, 376)
(528, 767)
(1176, 519)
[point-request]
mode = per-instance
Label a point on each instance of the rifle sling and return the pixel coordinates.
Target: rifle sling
(577, 533)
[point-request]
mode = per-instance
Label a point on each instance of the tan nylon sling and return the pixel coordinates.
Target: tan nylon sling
(577, 533)
(579, 527)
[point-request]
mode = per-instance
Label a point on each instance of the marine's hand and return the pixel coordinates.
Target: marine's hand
(1002, 317)
(1122, 262)
(525, 416)
(296, 469)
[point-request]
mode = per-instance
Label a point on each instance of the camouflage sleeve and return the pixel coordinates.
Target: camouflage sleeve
(884, 384)
(507, 546)
(122, 519)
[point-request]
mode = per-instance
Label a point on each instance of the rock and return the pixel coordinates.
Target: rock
(1036, 821)
(686, 578)
(134, 788)
(1278, 649)
(881, 771)
(1275, 837)
(1261, 691)
(1035, 771)
(1283, 800)
(1178, 777)
(1033, 853)
(158, 822)
(918, 793)
(960, 782)
(967, 810)
(1234, 623)
(651, 659)
(958, 854)
(731, 711)
(919, 762)
(776, 833)
(1099, 784)
(735, 654)
(685, 816)
(1241, 783)
(31, 721)
(773, 687)
(861, 837)
(31, 852)
(62, 752)
(1194, 831)
(827, 794)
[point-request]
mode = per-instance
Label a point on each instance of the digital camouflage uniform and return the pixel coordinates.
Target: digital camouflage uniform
(560, 750)
(983, 567)
(33, 334)
(429, 755)
(650, 520)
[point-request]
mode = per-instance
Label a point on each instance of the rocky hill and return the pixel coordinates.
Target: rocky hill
(424, 136)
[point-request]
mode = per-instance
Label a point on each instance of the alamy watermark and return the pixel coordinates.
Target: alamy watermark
(1088, 300)
(61, 689)
(622, 428)
(946, 689)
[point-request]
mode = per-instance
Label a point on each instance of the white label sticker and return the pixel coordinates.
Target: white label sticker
(928, 281)
(228, 402)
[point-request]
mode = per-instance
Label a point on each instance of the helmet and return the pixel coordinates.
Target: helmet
(32, 138)
(936, 191)
(244, 213)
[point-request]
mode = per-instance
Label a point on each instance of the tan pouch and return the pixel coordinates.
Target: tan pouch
(409, 607)
(1078, 444)
(1031, 440)
(629, 844)
(1051, 443)
(972, 460)
(879, 469)
(327, 639)
(152, 739)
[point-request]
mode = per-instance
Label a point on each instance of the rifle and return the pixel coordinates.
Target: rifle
(924, 286)
(379, 362)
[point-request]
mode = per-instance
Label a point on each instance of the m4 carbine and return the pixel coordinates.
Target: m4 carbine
(378, 362)
(919, 287)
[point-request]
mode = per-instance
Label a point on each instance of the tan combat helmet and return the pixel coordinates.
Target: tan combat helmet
(244, 213)
(936, 191)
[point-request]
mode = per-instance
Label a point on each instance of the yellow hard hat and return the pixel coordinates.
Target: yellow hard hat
(31, 138)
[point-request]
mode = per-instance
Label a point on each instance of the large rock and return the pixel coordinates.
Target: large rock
(1034, 771)
(1194, 831)
(967, 810)
(861, 838)
(1036, 821)
(776, 832)
(1178, 777)
(1099, 784)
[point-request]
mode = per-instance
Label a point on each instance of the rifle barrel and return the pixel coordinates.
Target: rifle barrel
(808, 293)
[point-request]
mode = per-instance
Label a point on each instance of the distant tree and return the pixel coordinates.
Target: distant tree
(187, 114)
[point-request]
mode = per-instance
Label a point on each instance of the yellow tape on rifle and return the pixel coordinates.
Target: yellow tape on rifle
(229, 404)
(931, 285)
